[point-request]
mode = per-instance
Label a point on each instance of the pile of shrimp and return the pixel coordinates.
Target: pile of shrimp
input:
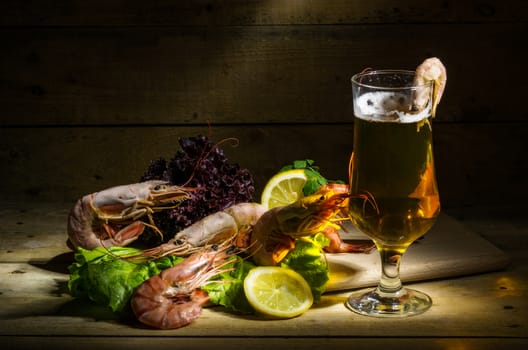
(174, 298)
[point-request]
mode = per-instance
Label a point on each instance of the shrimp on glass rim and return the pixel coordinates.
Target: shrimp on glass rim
(432, 69)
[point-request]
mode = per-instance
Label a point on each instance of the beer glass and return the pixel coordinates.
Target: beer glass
(394, 196)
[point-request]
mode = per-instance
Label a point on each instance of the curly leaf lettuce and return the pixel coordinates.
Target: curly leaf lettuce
(307, 258)
(227, 288)
(103, 276)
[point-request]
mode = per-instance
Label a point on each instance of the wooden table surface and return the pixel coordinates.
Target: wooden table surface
(481, 311)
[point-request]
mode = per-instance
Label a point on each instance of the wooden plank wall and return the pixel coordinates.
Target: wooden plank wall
(91, 91)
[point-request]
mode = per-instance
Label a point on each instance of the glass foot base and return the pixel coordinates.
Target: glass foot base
(405, 302)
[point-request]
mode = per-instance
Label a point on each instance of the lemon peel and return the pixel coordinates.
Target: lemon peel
(284, 188)
(277, 291)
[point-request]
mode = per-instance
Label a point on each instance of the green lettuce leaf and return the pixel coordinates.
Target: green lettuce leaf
(307, 258)
(103, 276)
(227, 289)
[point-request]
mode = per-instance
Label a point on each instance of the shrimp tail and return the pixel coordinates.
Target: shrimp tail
(337, 245)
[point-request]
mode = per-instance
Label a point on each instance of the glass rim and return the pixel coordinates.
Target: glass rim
(403, 72)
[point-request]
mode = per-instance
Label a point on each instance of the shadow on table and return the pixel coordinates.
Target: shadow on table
(57, 264)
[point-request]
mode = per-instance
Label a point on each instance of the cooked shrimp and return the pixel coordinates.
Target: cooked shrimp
(337, 245)
(431, 69)
(274, 235)
(173, 298)
(111, 217)
(244, 224)
(232, 224)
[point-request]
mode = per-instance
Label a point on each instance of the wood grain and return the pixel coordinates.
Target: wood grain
(246, 74)
(36, 305)
(91, 91)
(253, 12)
(434, 256)
(263, 343)
(49, 310)
(63, 164)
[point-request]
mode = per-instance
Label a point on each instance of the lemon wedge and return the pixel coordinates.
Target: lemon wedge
(284, 188)
(277, 291)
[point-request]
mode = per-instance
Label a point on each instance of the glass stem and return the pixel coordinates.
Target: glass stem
(390, 271)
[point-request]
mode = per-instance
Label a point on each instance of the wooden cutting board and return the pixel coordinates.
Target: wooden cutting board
(447, 250)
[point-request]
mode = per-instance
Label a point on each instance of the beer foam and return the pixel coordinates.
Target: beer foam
(389, 107)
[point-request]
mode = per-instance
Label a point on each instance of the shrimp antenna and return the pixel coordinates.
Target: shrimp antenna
(350, 161)
(248, 249)
(366, 70)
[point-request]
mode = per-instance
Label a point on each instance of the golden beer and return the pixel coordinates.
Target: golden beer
(393, 192)
(392, 165)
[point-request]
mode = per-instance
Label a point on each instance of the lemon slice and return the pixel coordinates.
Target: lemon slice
(284, 188)
(277, 291)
